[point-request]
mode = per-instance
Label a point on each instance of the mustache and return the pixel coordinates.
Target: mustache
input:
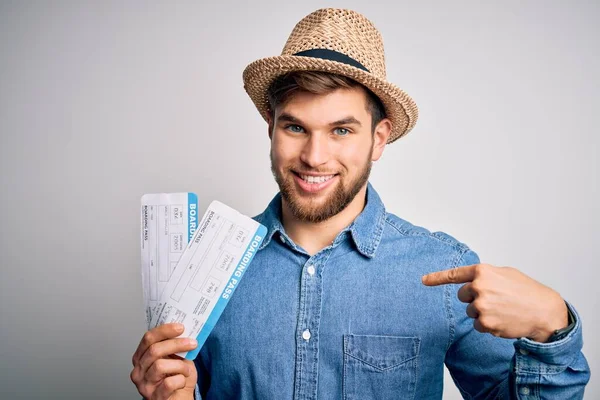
(300, 168)
(307, 171)
(315, 172)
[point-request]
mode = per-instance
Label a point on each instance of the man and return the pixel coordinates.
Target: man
(344, 299)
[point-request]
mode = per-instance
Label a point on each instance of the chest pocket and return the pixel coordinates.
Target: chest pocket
(380, 367)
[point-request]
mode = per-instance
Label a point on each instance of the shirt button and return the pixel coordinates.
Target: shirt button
(306, 335)
(310, 270)
(525, 390)
(523, 351)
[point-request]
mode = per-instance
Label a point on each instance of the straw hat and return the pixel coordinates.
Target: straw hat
(339, 41)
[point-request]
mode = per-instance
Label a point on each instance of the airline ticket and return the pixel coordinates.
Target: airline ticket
(168, 223)
(208, 272)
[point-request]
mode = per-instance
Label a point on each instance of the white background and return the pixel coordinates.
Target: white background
(101, 102)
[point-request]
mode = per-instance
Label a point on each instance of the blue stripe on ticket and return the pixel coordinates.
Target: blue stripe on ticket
(192, 214)
(228, 290)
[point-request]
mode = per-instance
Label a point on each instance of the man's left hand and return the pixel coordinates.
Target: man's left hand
(505, 302)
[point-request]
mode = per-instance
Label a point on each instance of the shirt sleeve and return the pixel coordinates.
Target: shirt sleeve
(487, 367)
(551, 370)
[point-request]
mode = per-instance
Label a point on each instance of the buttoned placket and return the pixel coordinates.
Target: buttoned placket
(307, 334)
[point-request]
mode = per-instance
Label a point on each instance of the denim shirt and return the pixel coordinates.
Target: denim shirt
(355, 322)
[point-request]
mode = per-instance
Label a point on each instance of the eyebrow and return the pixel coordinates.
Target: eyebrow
(344, 121)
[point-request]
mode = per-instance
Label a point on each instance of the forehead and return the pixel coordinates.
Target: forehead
(324, 108)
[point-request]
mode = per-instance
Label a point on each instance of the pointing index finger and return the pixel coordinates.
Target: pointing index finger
(454, 275)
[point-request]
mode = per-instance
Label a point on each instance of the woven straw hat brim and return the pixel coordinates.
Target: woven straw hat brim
(399, 106)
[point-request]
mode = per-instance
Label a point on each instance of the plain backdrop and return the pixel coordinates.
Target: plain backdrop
(101, 102)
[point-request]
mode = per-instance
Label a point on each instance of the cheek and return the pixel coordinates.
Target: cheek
(353, 156)
(283, 152)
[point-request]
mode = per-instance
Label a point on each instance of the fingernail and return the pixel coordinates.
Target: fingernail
(193, 342)
(179, 327)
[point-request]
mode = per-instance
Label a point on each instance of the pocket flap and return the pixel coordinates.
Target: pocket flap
(381, 352)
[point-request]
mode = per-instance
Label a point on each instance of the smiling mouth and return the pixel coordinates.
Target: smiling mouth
(315, 179)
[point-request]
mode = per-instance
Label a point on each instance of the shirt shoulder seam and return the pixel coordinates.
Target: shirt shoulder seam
(461, 248)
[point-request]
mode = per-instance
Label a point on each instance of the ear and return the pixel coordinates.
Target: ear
(380, 137)
(270, 123)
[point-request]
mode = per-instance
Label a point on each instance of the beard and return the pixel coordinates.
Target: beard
(311, 210)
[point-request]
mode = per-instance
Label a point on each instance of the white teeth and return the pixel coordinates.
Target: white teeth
(316, 179)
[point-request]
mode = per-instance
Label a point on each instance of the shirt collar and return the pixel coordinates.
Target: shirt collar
(366, 230)
(271, 219)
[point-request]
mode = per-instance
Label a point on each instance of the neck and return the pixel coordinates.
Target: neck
(314, 236)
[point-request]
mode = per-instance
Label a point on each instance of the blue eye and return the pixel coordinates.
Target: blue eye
(295, 128)
(342, 131)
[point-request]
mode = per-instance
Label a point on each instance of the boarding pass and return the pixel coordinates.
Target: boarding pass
(208, 272)
(168, 223)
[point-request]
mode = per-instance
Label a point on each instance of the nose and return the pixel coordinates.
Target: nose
(315, 151)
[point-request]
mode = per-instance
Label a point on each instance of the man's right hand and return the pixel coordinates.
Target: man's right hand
(158, 373)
